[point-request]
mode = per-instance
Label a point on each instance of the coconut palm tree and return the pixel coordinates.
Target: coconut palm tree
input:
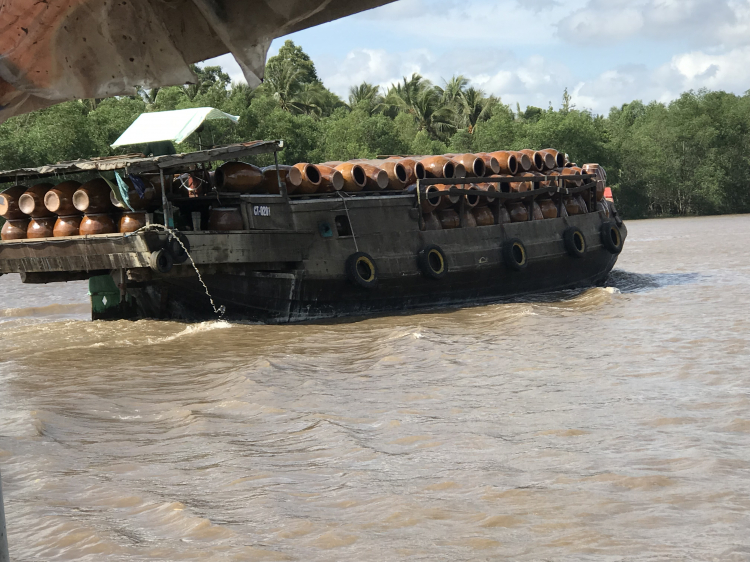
(366, 96)
(474, 108)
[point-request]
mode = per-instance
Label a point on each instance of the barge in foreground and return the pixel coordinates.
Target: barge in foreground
(311, 256)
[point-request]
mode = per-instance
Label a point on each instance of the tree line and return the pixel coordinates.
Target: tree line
(687, 157)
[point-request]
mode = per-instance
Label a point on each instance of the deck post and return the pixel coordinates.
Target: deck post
(4, 556)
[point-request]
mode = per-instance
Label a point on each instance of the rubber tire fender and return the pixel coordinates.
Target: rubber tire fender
(179, 255)
(425, 265)
(511, 248)
(612, 246)
(572, 237)
(354, 265)
(161, 261)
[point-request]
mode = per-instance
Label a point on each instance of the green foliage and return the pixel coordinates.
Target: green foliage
(691, 156)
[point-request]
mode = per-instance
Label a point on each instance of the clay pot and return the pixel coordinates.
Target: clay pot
(473, 164)
(67, 226)
(536, 212)
(537, 160)
(472, 199)
(483, 216)
(549, 209)
(582, 203)
(521, 186)
(289, 175)
(15, 229)
(354, 176)
(410, 167)
(59, 200)
(93, 197)
(9, 202)
(396, 171)
(491, 164)
(578, 182)
(447, 199)
(572, 206)
(376, 179)
(486, 188)
(97, 224)
(309, 178)
(41, 227)
(31, 202)
(468, 219)
(238, 177)
(518, 212)
(524, 162)
(431, 199)
(601, 178)
(449, 219)
(503, 216)
(508, 161)
(558, 157)
(431, 222)
(225, 218)
(132, 221)
(331, 180)
(601, 206)
(441, 167)
(553, 182)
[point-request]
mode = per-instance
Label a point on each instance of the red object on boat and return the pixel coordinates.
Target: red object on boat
(608, 194)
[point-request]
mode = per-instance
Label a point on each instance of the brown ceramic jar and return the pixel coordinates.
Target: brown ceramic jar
(15, 229)
(41, 227)
(97, 224)
(67, 226)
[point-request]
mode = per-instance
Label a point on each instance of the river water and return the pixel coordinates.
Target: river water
(610, 424)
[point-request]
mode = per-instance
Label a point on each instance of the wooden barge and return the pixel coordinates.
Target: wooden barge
(315, 257)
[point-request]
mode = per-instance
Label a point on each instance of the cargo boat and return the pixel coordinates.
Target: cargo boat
(297, 257)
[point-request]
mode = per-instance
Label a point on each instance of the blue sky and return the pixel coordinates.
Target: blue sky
(606, 52)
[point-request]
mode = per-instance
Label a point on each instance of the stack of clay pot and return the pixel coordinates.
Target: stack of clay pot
(16, 221)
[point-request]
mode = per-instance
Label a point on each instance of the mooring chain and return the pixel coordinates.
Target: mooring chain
(221, 310)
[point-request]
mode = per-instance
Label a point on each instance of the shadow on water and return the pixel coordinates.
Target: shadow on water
(628, 282)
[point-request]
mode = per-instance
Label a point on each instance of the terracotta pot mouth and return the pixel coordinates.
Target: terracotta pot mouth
(479, 168)
(549, 161)
(495, 165)
(538, 161)
(359, 176)
(449, 170)
(513, 164)
(81, 200)
(337, 180)
(524, 163)
(313, 174)
(52, 201)
(4, 204)
(26, 203)
(432, 196)
(419, 170)
(400, 172)
(472, 199)
(381, 179)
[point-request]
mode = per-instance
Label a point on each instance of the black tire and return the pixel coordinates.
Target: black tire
(514, 254)
(362, 271)
(432, 262)
(575, 242)
(161, 261)
(611, 238)
(179, 254)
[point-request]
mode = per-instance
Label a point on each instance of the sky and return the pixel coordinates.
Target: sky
(605, 52)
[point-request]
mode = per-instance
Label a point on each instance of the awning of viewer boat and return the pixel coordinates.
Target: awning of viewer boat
(173, 126)
(52, 52)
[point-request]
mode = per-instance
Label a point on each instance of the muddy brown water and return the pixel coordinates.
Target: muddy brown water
(609, 424)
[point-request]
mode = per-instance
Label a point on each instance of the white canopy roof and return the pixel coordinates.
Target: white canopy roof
(169, 125)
